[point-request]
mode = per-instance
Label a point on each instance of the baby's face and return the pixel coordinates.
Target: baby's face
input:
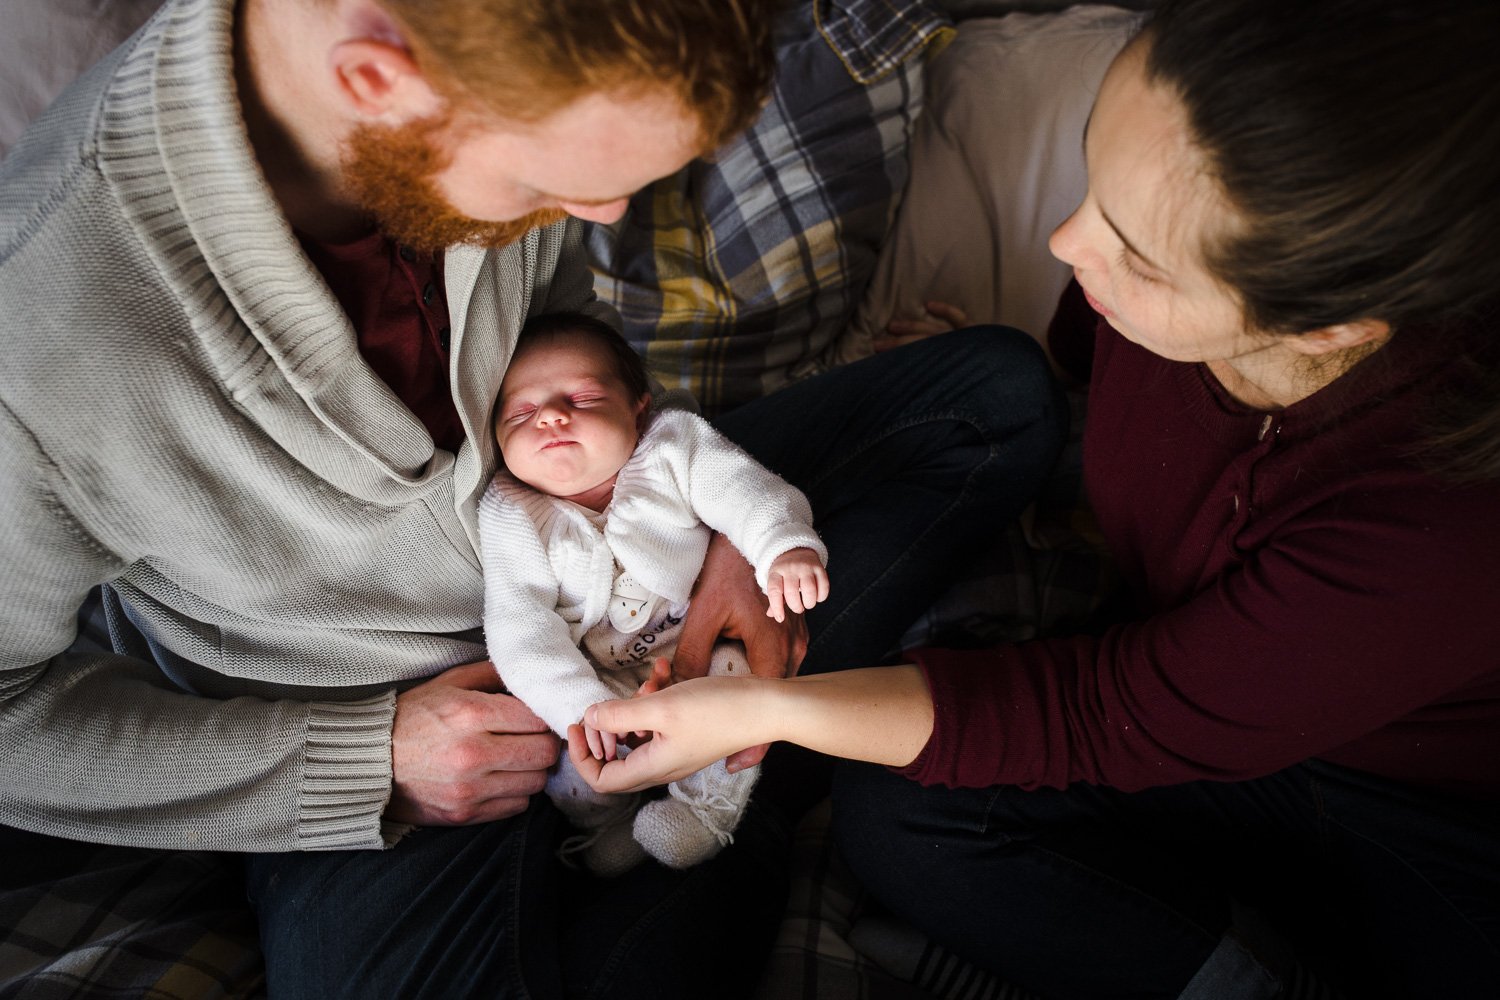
(566, 422)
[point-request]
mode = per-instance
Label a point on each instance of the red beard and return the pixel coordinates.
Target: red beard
(390, 171)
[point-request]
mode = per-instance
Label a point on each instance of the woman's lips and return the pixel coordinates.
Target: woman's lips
(1097, 306)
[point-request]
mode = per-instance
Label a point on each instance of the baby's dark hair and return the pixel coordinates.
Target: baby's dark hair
(629, 366)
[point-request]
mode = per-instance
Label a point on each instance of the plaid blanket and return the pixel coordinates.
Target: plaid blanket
(81, 920)
(84, 920)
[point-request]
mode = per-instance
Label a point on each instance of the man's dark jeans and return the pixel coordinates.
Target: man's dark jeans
(912, 461)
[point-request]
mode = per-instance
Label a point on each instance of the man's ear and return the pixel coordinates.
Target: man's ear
(380, 80)
(1340, 337)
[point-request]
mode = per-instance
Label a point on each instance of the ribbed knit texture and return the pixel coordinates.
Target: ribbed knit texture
(184, 412)
(549, 570)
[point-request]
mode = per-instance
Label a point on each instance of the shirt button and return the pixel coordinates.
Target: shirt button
(408, 254)
(429, 291)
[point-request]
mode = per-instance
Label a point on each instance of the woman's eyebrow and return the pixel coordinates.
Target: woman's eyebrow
(1129, 245)
(1108, 221)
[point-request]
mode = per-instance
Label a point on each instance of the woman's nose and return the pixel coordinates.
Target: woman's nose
(1065, 242)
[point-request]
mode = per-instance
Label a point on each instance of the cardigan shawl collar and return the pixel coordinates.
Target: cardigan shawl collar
(173, 141)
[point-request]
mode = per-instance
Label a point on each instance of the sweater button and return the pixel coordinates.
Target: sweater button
(1265, 425)
(444, 335)
(407, 254)
(429, 290)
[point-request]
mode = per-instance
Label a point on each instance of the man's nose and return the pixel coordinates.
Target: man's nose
(604, 213)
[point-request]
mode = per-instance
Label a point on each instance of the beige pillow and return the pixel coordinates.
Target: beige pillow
(996, 165)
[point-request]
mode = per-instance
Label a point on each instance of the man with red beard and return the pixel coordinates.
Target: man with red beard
(261, 271)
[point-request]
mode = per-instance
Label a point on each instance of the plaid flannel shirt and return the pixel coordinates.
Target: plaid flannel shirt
(737, 275)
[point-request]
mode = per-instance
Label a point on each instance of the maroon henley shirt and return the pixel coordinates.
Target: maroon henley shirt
(1305, 588)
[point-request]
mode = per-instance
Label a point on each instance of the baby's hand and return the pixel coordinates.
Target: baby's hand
(603, 745)
(660, 677)
(797, 581)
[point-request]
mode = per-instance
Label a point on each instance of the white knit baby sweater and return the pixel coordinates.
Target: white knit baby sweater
(184, 412)
(548, 570)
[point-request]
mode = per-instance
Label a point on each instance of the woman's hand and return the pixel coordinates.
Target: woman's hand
(879, 714)
(602, 742)
(941, 317)
(693, 723)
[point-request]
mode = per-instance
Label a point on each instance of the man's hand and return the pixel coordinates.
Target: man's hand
(728, 602)
(798, 581)
(462, 752)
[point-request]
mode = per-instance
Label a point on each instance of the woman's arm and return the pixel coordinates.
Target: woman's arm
(878, 714)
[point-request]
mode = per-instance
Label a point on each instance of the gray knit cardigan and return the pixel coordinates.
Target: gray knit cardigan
(184, 414)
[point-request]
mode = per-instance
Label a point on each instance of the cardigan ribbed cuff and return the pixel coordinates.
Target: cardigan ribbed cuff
(346, 778)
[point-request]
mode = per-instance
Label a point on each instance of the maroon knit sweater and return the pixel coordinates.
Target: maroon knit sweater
(1304, 589)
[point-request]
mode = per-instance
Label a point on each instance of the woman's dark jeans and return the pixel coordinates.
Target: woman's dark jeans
(1092, 892)
(912, 461)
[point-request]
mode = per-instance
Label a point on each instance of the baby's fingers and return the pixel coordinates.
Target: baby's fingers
(792, 593)
(660, 677)
(773, 596)
(582, 754)
(814, 589)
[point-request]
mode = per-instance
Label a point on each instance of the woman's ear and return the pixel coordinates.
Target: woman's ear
(380, 80)
(1340, 337)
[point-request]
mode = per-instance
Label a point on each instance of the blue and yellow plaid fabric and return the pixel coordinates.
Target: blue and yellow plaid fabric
(736, 275)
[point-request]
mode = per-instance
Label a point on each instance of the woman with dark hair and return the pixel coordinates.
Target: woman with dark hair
(1291, 251)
